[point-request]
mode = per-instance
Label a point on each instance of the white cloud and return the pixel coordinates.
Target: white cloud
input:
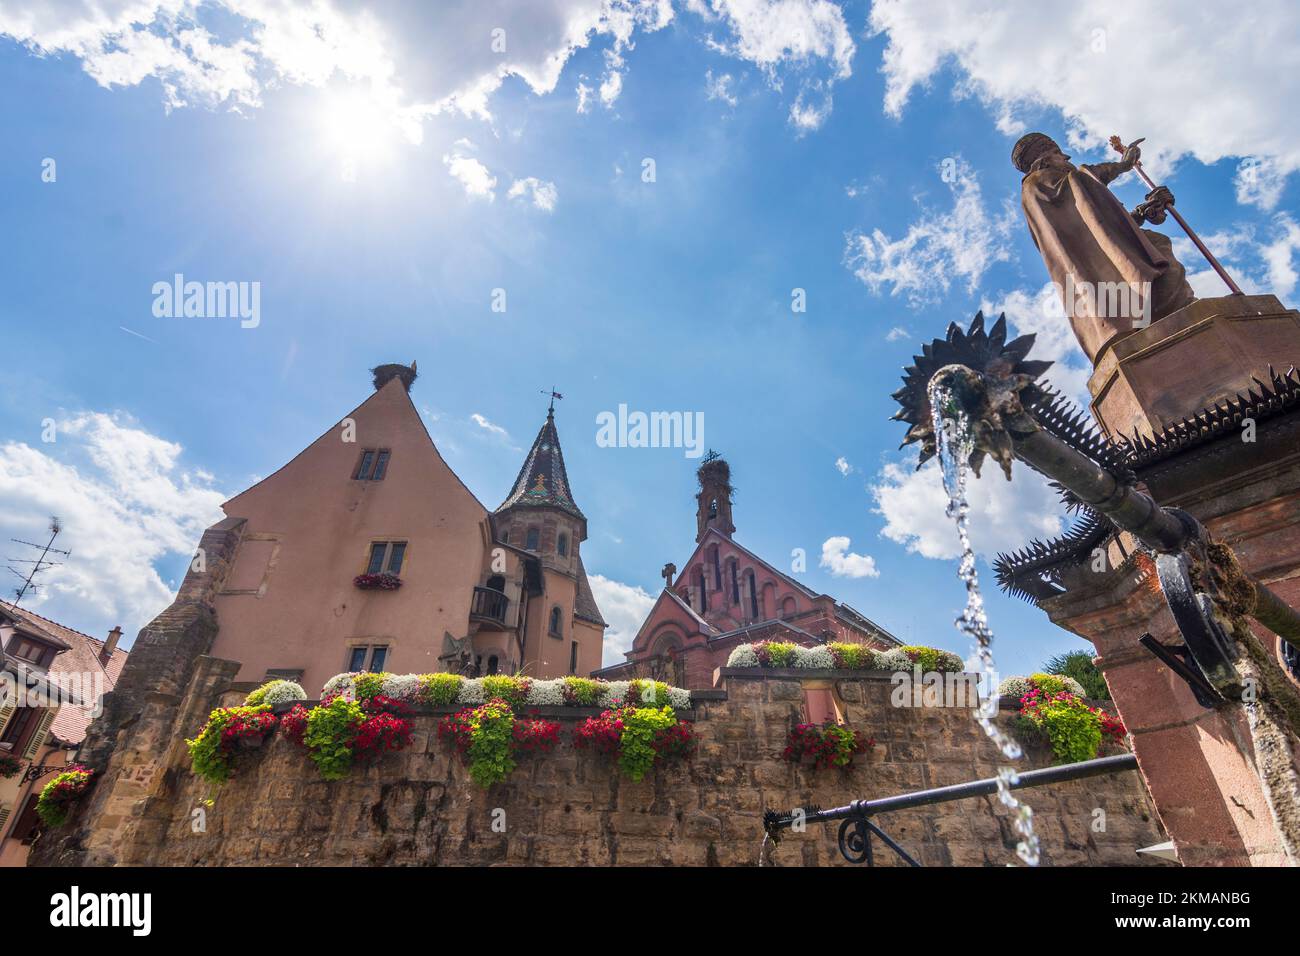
(488, 426)
(843, 563)
(624, 608)
(477, 181)
(1259, 182)
(414, 59)
(1004, 515)
(1211, 84)
(541, 194)
(125, 502)
(843, 467)
(720, 87)
(808, 38)
(896, 333)
(938, 248)
(772, 33)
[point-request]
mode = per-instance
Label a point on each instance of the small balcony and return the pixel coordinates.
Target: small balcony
(489, 606)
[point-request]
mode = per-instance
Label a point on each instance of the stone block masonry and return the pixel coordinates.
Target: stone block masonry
(419, 808)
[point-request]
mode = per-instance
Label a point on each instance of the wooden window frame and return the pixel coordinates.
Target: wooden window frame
(373, 464)
(386, 561)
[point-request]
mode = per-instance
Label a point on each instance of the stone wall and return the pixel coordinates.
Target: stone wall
(418, 807)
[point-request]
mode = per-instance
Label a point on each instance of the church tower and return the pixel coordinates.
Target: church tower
(714, 498)
(565, 631)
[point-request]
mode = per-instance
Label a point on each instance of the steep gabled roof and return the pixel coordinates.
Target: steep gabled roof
(542, 481)
(584, 605)
(83, 655)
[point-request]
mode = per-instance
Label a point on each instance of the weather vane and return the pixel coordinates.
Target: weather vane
(554, 395)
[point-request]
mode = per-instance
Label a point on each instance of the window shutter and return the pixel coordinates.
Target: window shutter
(38, 738)
(5, 714)
(4, 817)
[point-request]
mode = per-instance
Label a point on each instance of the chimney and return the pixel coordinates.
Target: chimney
(110, 645)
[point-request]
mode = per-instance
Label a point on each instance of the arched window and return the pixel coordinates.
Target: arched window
(735, 583)
(753, 594)
(715, 560)
(699, 588)
(496, 583)
(562, 545)
(555, 626)
(788, 608)
(530, 543)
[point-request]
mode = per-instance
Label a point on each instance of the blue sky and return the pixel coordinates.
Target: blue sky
(797, 144)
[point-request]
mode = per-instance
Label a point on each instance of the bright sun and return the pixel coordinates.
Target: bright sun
(358, 128)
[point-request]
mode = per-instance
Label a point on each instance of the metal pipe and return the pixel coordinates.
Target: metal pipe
(1133, 511)
(961, 791)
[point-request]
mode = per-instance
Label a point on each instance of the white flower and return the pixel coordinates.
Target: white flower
(341, 685)
(679, 699)
(281, 692)
(546, 693)
(814, 657)
(615, 694)
(743, 656)
(1014, 688)
(471, 692)
(401, 686)
(893, 660)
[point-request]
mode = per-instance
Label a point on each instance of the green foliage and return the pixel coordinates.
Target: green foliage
(368, 685)
(1073, 728)
(1079, 665)
(330, 731)
(491, 732)
(208, 756)
(852, 656)
(1049, 684)
(513, 690)
(932, 659)
(641, 725)
(583, 690)
(651, 693)
(441, 689)
(781, 654)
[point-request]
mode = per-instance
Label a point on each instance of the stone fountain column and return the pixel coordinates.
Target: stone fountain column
(1225, 796)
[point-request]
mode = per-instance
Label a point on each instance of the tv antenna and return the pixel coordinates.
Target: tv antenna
(42, 563)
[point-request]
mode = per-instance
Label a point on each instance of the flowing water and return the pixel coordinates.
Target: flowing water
(953, 433)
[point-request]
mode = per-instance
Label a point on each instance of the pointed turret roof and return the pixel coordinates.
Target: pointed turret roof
(543, 482)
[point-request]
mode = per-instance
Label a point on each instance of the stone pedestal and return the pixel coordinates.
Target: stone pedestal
(1190, 360)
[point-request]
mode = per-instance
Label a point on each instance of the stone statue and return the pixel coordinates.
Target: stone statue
(1113, 276)
(458, 653)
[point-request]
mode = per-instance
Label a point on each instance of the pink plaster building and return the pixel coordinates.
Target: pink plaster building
(367, 552)
(726, 596)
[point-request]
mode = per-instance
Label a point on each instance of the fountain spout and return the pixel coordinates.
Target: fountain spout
(974, 375)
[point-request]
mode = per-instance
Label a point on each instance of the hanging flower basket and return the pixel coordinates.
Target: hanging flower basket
(9, 765)
(377, 582)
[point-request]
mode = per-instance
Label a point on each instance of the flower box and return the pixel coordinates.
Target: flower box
(377, 582)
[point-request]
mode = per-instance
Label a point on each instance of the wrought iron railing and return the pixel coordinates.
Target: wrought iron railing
(489, 605)
(857, 828)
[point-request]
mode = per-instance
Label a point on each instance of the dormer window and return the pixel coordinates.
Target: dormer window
(31, 651)
(373, 466)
